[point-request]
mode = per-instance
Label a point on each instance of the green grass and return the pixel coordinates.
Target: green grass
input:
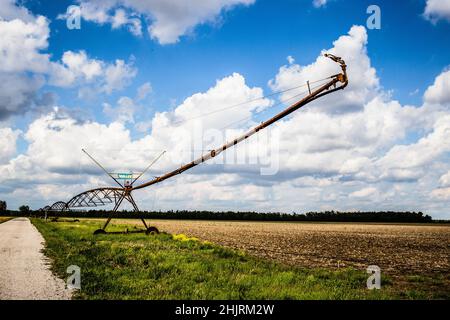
(4, 219)
(136, 266)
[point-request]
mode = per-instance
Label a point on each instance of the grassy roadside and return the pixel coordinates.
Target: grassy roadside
(4, 219)
(137, 266)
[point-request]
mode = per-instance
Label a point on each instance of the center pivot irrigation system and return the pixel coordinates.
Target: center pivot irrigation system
(116, 195)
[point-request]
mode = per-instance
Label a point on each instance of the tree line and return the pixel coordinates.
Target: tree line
(326, 216)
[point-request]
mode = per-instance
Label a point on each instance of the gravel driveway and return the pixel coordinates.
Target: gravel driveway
(24, 273)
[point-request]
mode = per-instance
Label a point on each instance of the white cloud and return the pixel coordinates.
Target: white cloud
(79, 63)
(178, 131)
(445, 180)
(144, 90)
(364, 84)
(319, 3)
(123, 112)
(439, 92)
(21, 45)
(119, 19)
(436, 10)
(290, 60)
(21, 61)
(365, 146)
(25, 68)
(10, 11)
(363, 157)
(126, 108)
(420, 154)
(441, 194)
(75, 67)
(55, 142)
(53, 139)
(228, 91)
(364, 193)
(78, 69)
(345, 133)
(118, 75)
(8, 138)
(168, 20)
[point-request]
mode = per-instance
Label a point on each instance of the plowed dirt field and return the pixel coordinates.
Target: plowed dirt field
(395, 248)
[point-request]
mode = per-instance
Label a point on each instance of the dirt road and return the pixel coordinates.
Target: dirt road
(24, 273)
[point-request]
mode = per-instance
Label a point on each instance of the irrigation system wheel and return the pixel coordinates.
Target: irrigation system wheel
(99, 231)
(152, 230)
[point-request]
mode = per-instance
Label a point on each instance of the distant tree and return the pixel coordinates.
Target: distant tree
(3, 206)
(24, 209)
(331, 216)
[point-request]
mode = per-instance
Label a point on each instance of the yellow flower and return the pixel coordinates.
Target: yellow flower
(183, 237)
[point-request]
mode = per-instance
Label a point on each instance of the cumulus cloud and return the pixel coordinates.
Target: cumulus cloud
(184, 132)
(439, 92)
(361, 147)
(8, 138)
(10, 11)
(25, 67)
(21, 61)
(77, 69)
(418, 155)
(80, 65)
(365, 156)
(53, 139)
(228, 91)
(167, 20)
(118, 75)
(126, 108)
(343, 144)
(123, 112)
(358, 138)
(358, 135)
(352, 48)
(445, 180)
(21, 45)
(436, 10)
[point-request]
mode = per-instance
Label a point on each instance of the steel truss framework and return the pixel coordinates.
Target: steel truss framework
(99, 197)
(88, 199)
(102, 196)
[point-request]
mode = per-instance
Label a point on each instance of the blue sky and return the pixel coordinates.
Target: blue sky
(193, 49)
(408, 52)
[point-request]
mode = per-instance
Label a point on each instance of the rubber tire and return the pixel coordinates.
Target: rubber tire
(99, 231)
(152, 230)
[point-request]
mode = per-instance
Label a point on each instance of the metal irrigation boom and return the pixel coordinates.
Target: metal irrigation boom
(116, 195)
